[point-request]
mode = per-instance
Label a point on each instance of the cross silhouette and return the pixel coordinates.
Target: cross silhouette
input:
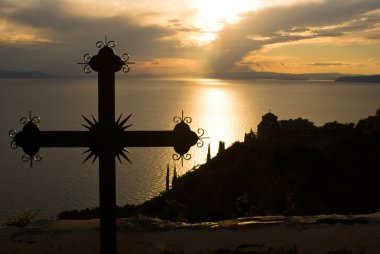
(106, 138)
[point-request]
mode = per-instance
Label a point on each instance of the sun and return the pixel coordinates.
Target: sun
(212, 15)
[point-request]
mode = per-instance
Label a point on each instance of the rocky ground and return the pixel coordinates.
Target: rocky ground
(327, 234)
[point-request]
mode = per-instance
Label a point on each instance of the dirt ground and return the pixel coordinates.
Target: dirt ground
(331, 234)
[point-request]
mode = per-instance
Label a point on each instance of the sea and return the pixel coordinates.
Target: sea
(224, 109)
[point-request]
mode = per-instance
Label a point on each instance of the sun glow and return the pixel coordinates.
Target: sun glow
(213, 14)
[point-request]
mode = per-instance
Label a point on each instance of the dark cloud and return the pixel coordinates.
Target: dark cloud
(284, 24)
(45, 15)
(74, 35)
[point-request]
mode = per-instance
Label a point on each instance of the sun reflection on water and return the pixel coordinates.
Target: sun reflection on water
(217, 108)
(209, 82)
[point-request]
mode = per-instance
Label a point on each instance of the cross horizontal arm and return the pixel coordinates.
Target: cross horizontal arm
(129, 138)
(64, 138)
(152, 139)
(84, 138)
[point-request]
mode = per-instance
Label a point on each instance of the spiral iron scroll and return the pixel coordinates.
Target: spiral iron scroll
(178, 119)
(125, 58)
(178, 157)
(30, 118)
(200, 141)
(86, 59)
(27, 158)
(101, 44)
(12, 135)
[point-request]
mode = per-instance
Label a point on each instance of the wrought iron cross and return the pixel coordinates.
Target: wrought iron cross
(106, 138)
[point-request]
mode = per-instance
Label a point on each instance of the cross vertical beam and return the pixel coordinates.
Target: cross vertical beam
(106, 63)
(107, 203)
(106, 97)
(107, 167)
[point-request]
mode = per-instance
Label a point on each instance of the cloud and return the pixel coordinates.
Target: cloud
(53, 35)
(48, 36)
(181, 26)
(327, 64)
(299, 22)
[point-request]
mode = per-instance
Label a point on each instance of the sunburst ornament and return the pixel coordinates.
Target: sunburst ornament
(105, 139)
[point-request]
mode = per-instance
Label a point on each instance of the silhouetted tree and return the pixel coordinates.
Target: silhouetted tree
(174, 180)
(167, 178)
(221, 147)
(208, 154)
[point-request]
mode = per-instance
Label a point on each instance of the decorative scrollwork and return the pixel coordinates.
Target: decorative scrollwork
(27, 158)
(14, 145)
(178, 157)
(178, 119)
(12, 133)
(36, 119)
(30, 118)
(24, 120)
(101, 44)
(126, 69)
(201, 132)
(37, 157)
(200, 142)
(125, 57)
(111, 44)
(86, 58)
(87, 69)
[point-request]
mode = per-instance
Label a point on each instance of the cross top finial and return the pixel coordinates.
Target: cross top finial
(106, 60)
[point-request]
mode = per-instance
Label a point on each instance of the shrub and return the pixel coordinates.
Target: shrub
(25, 218)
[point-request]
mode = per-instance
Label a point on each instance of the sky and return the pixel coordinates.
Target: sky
(196, 36)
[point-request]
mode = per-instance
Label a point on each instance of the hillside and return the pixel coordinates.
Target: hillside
(290, 168)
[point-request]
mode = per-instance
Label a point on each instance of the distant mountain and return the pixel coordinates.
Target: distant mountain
(370, 79)
(275, 75)
(245, 75)
(25, 74)
(221, 75)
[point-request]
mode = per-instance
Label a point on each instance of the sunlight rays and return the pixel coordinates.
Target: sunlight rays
(213, 13)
